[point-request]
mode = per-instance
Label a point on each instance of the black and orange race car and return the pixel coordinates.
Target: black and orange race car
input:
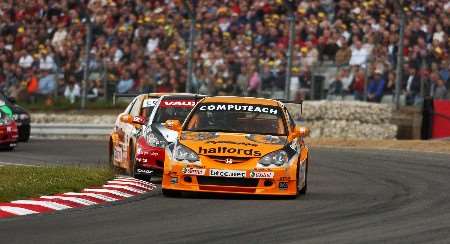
(237, 145)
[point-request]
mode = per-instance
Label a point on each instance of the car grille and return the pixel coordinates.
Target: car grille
(223, 159)
(223, 181)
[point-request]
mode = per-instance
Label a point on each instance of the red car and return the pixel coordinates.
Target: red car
(150, 146)
(8, 132)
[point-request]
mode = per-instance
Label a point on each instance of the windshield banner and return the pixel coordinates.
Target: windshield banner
(177, 104)
(239, 107)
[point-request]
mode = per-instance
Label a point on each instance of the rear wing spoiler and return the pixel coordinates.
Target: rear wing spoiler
(133, 95)
(293, 102)
(130, 95)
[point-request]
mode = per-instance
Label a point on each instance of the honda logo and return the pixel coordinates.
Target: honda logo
(228, 161)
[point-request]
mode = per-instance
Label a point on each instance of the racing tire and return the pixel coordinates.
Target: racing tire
(171, 193)
(293, 197)
(10, 148)
(111, 156)
(131, 170)
(24, 133)
(305, 187)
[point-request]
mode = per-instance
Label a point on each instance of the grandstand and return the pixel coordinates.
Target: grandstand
(343, 49)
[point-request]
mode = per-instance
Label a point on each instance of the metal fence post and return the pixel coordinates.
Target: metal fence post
(191, 13)
(423, 67)
(399, 70)
(290, 5)
(86, 62)
(366, 78)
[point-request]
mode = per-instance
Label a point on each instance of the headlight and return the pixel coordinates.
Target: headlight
(155, 141)
(277, 158)
(183, 153)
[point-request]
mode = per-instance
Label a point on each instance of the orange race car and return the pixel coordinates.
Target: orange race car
(237, 145)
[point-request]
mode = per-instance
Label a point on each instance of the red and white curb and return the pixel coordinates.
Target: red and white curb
(114, 190)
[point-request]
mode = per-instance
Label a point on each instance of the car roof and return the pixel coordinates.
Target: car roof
(246, 100)
(160, 94)
(183, 95)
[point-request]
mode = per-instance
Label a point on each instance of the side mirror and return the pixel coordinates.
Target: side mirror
(303, 131)
(126, 118)
(300, 131)
(137, 120)
(173, 125)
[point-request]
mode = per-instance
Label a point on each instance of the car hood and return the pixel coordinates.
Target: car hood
(232, 144)
(167, 134)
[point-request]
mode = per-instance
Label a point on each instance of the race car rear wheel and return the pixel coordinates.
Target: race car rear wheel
(171, 193)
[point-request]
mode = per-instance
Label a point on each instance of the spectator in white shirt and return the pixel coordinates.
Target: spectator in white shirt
(26, 60)
(359, 54)
(72, 91)
(60, 36)
(46, 61)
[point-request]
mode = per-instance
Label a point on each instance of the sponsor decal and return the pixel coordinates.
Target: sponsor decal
(231, 142)
(294, 145)
(178, 103)
(117, 154)
(262, 174)
(283, 185)
(193, 171)
(141, 160)
(229, 150)
(138, 119)
(227, 173)
(239, 107)
(150, 102)
(144, 171)
(173, 180)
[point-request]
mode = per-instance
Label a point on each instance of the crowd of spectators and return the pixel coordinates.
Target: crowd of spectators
(240, 47)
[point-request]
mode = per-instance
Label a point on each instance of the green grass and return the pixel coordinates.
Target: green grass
(22, 182)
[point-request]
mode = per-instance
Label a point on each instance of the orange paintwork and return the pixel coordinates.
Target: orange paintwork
(245, 152)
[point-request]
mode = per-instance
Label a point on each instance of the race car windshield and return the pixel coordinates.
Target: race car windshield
(171, 109)
(237, 118)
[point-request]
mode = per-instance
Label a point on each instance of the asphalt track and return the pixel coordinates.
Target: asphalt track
(354, 197)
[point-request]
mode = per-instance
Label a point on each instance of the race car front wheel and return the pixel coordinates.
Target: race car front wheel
(131, 170)
(111, 156)
(305, 176)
